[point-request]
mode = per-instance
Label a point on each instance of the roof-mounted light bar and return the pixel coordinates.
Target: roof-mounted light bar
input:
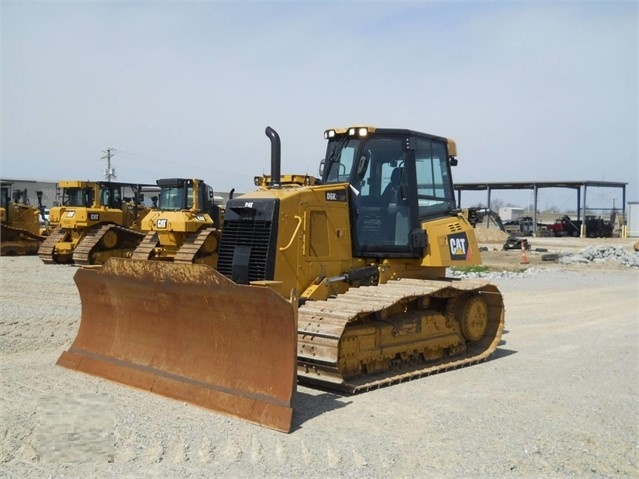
(356, 131)
(333, 132)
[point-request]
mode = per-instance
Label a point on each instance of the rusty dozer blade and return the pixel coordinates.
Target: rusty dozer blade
(187, 332)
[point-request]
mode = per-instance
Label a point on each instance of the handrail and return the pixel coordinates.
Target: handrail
(299, 223)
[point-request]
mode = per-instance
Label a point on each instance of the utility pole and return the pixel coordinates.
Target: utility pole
(109, 173)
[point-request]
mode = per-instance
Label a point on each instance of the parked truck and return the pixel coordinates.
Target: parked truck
(596, 227)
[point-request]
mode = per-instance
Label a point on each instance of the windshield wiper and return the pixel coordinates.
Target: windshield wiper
(332, 158)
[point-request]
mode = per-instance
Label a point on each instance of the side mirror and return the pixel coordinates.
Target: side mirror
(322, 165)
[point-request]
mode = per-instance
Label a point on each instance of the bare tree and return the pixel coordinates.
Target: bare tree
(496, 204)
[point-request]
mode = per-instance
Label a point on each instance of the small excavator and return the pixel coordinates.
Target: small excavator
(338, 282)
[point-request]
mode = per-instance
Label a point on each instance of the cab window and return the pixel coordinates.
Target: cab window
(434, 185)
(78, 197)
(171, 199)
(111, 198)
(189, 197)
(340, 171)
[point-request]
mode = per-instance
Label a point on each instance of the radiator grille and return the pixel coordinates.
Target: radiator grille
(253, 234)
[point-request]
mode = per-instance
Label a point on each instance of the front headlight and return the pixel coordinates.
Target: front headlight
(329, 134)
(358, 131)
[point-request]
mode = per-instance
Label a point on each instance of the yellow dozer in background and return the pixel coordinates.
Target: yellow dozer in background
(21, 233)
(338, 282)
(185, 225)
(96, 220)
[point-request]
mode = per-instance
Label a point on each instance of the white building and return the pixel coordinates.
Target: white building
(510, 213)
(633, 219)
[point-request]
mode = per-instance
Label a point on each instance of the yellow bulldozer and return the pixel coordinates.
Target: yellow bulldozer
(95, 221)
(185, 225)
(21, 232)
(337, 282)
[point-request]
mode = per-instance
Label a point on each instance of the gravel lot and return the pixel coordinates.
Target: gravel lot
(558, 399)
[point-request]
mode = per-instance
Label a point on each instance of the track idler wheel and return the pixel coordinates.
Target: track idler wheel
(472, 315)
(209, 246)
(109, 240)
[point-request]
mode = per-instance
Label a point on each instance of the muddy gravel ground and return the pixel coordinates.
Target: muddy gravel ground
(559, 398)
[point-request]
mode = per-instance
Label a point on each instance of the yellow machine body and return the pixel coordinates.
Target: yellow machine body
(185, 225)
(20, 232)
(95, 222)
(356, 260)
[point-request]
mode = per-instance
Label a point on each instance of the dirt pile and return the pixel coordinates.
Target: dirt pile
(490, 235)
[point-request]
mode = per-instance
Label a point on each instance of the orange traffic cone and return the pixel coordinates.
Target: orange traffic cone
(524, 258)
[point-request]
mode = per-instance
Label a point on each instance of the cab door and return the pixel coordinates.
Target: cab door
(384, 203)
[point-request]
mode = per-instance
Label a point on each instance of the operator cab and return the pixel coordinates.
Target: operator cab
(398, 179)
(78, 196)
(177, 194)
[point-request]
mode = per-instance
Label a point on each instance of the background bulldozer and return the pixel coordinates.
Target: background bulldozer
(21, 233)
(96, 220)
(184, 227)
(338, 282)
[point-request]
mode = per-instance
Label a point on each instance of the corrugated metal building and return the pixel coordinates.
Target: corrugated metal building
(31, 186)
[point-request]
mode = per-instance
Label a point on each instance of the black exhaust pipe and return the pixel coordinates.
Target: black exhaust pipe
(40, 205)
(276, 157)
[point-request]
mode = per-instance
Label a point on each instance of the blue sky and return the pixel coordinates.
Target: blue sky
(529, 90)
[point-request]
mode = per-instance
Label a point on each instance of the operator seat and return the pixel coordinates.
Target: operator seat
(390, 194)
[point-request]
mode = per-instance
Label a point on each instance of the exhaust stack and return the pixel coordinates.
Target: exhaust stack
(276, 157)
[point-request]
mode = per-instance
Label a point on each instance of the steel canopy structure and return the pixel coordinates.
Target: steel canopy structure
(535, 186)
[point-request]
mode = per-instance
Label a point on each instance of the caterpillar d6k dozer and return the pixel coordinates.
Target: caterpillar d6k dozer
(184, 227)
(366, 246)
(97, 220)
(19, 222)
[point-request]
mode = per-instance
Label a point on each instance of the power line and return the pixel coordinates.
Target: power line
(109, 173)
